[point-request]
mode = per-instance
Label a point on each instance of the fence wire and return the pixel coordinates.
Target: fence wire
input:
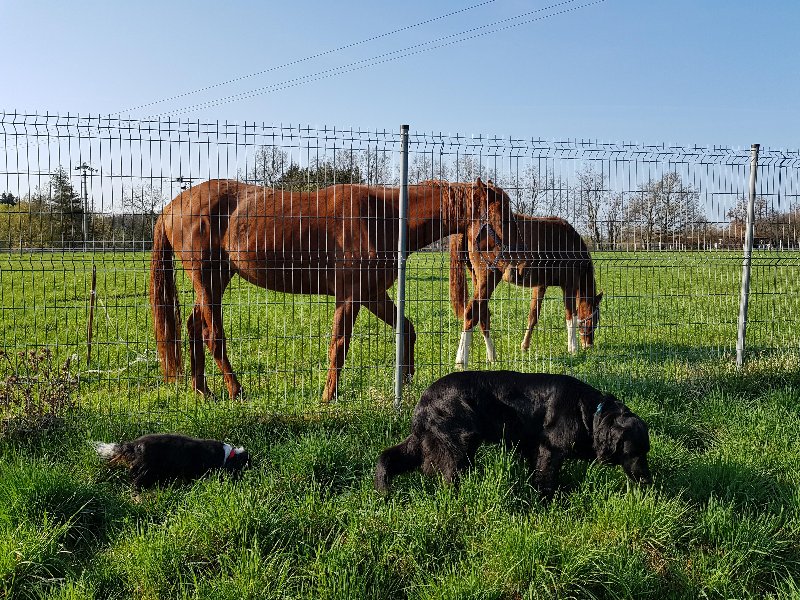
(664, 225)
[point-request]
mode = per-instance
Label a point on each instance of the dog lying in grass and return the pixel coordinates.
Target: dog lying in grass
(545, 418)
(165, 457)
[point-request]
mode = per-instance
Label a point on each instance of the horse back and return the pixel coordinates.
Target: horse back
(554, 252)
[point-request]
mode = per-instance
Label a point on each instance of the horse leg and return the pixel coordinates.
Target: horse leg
(484, 315)
(209, 290)
(386, 310)
(197, 331)
(537, 297)
(478, 310)
(343, 320)
(462, 354)
(217, 344)
(572, 320)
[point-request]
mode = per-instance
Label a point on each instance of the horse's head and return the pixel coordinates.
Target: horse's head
(588, 315)
(493, 231)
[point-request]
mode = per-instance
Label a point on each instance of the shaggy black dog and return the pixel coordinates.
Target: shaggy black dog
(545, 418)
(164, 457)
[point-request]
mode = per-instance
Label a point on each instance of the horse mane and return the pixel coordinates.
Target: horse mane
(455, 196)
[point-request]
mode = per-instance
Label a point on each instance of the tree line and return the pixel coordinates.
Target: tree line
(660, 213)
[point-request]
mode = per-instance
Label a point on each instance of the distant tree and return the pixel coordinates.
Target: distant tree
(615, 215)
(527, 191)
(556, 196)
(322, 174)
(269, 165)
(468, 167)
(424, 166)
(66, 207)
(28, 224)
(592, 198)
(8, 199)
(766, 219)
(141, 206)
(664, 207)
(376, 167)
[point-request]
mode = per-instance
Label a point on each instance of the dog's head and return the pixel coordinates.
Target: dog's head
(237, 461)
(621, 438)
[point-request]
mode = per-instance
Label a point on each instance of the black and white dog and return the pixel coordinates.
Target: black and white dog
(164, 457)
(546, 418)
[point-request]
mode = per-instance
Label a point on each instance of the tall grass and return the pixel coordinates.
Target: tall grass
(721, 521)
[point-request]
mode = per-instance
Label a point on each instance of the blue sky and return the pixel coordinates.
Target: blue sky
(649, 71)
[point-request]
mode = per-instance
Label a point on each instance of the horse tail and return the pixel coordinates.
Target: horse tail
(403, 457)
(458, 274)
(164, 303)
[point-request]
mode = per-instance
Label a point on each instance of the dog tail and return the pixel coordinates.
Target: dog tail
(398, 459)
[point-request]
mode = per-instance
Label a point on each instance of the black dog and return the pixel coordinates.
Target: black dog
(164, 457)
(546, 418)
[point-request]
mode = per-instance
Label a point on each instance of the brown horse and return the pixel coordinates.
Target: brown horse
(339, 241)
(554, 254)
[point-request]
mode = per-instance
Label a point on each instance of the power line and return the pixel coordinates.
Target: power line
(385, 57)
(307, 58)
(365, 63)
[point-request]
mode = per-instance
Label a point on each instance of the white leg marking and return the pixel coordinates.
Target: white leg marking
(572, 334)
(526, 341)
(462, 356)
(491, 353)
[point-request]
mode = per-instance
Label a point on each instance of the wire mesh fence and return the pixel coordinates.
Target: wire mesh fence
(664, 225)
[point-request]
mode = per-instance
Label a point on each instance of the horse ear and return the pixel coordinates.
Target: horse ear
(479, 183)
(598, 297)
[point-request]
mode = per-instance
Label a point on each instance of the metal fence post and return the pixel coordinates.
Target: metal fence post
(401, 268)
(748, 251)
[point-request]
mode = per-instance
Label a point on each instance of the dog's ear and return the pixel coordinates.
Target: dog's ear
(607, 437)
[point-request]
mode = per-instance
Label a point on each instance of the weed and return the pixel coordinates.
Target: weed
(35, 393)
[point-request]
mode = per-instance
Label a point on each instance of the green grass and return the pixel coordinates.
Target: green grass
(721, 521)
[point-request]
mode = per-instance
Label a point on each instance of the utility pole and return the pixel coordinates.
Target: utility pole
(85, 195)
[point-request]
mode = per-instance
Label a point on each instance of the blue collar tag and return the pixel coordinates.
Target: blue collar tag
(599, 409)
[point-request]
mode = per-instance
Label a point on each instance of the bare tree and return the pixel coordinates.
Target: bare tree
(555, 193)
(426, 165)
(765, 218)
(269, 165)
(591, 196)
(615, 215)
(141, 206)
(664, 207)
(376, 167)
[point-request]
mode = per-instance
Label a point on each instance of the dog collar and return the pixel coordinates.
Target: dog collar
(228, 451)
(599, 408)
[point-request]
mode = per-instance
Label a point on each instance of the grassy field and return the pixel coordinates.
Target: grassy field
(721, 521)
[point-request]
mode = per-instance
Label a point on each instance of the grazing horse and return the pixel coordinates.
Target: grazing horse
(554, 254)
(339, 241)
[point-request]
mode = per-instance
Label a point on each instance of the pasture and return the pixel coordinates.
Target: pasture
(722, 519)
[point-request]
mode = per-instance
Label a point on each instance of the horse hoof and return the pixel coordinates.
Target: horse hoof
(524, 346)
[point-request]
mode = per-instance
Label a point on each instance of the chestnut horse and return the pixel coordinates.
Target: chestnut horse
(554, 254)
(339, 241)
